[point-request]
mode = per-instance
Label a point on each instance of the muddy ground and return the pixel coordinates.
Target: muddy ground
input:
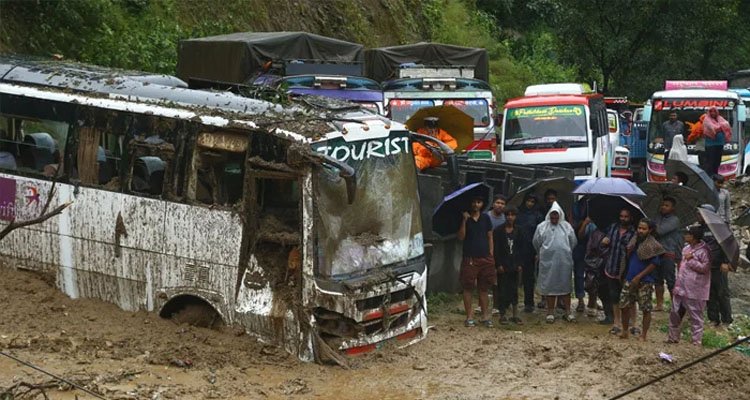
(126, 355)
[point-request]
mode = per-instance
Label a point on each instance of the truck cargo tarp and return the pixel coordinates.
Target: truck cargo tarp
(238, 57)
(382, 63)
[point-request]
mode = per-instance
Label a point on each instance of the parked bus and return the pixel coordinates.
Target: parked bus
(560, 125)
(176, 203)
(691, 99)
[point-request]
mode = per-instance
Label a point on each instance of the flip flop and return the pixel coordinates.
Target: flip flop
(470, 323)
(516, 321)
(550, 318)
(616, 330)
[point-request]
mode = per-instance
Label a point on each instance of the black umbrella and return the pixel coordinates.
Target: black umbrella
(687, 200)
(563, 186)
(723, 234)
(449, 213)
(604, 210)
(697, 179)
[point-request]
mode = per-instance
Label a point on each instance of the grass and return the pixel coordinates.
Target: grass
(442, 301)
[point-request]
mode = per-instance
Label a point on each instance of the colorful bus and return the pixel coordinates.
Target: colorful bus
(690, 100)
(304, 232)
(560, 125)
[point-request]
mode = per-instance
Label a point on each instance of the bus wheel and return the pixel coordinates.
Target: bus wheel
(192, 310)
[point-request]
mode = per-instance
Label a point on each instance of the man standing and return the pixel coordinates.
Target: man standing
(510, 253)
(668, 233)
(618, 235)
(725, 202)
(423, 156)
(478, 264)
(496, 213)
(719, 305)
(644, 256)
(528, 219)
(554, 240)
(670, 128)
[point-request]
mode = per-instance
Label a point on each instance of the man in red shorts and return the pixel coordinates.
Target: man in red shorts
(478, 263)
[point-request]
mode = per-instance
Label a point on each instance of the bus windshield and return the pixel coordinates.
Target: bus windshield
(660, 134)
(544, 125)
(383, 226)
(476, 108)
(402, 110)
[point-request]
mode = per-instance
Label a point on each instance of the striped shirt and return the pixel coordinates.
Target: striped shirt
(618, 249)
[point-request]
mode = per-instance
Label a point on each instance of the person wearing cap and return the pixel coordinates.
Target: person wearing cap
(423, 157)
(691, 286)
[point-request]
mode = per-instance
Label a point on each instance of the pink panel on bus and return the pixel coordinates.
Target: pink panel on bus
(675, 85)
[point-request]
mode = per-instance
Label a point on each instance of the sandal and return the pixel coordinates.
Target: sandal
(469, 323)
(550, 318)
(635, 331)
(503, 320)
(487, 323)
(616, 330)
(569, 318)
(581, 307)
(671, 341)
(516, 321)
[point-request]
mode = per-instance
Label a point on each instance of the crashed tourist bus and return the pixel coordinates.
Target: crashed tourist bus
(177, 205)
(691, 99)
(559, 125)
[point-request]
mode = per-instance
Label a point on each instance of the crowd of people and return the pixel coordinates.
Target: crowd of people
(625, 266)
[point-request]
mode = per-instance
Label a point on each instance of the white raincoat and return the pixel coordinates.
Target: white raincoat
(678, 150)
(554, 244)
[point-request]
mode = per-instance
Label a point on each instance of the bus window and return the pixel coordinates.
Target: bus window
(220, 168)
(32, 146)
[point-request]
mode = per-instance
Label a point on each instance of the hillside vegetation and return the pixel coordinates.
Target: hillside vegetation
(629, 50)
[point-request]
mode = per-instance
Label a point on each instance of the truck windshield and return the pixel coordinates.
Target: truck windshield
(402, 110)
(559, 126)
(688, 112)
(383, 226)
(476, 108)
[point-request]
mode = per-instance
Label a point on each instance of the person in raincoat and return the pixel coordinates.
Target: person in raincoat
(423, 157)
(554, 240)
(679, 150)
(692, 286)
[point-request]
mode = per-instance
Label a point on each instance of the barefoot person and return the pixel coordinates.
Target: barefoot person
(644, 255)
(554, 240)
(691, 287)
(477, 265)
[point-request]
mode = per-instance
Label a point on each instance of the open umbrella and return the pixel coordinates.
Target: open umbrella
(450, 119)
(697, 179)
(687, 200)
(448, 214)
(723, 234)
(563, 187)
(604, 210)
(610, 186)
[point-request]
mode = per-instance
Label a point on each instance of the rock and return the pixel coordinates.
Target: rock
(419, 367)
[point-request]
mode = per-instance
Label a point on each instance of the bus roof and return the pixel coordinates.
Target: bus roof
(555, 100)
(696, 94)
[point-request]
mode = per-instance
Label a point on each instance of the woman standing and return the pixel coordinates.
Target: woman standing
(691, 287)
(717, 133)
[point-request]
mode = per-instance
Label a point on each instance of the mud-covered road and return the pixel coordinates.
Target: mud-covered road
(140, 356)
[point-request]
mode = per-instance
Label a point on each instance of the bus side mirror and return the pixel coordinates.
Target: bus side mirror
(345, 171)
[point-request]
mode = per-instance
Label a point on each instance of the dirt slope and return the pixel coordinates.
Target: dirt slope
(137, 355)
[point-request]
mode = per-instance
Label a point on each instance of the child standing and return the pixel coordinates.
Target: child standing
(691, 286)
(510, 254)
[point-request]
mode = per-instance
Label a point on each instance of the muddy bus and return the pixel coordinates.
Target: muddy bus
(302, 227)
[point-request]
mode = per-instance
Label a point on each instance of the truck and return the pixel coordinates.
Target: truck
(421, 75)
(691, 99)
(300, 63)
(561, 125)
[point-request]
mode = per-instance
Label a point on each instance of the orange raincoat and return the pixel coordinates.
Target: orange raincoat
(423, 156)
